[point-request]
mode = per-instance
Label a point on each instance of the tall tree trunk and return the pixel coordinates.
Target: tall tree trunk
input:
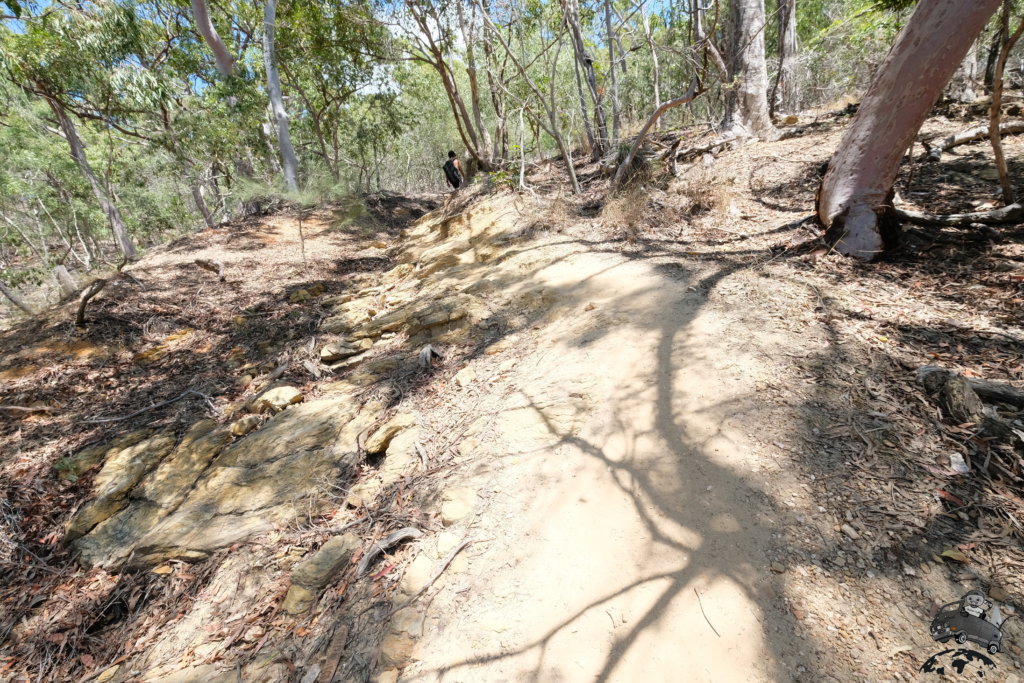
(570, 10)
(67, 126)
(785, 93)
(655, 66)
(862, 171)
(612, 71)
(15, 298)
(469, 35)
(995, 111)
(746, 101)
(201, 13)
(289, 163)
(587, 127)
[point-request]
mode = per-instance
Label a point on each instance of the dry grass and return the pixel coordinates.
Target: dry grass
(626, 211)
(700, 191)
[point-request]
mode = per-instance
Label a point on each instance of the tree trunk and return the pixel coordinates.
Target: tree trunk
(124, 242)
(996, 109)
(225, 62)
(469, 36)
(746, 101)
(67, 283)
(655, 66)
(612, 71)
(197, 197)
(289, 163)
(570, 11)
(786, 93)
(15, 299)
(862, 171)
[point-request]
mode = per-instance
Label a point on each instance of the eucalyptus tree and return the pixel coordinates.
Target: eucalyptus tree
(329, 54)
(854, 191)
(746, 101)
(432, 41)
(71, 59)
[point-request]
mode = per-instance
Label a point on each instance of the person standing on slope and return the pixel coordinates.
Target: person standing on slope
(453, 171)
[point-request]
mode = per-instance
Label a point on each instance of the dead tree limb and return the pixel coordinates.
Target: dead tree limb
(15, 298)
(697, 150)
(692, 92)
(935, 149)
(83, 299)
(1013, 213)
(140, 411)
(933, 377)
(212, 266)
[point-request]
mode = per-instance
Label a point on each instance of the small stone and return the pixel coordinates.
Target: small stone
(397, 650)
(108, 674)
(245, 425)
(589, 307)
(364, 493)
(798, 614)
(277, 399)
(456, 504)
(408, 621)
(417, 574)
(336, 351)
(998, 594)
(778, 567)
(465, 377)
(297, 600)
(850, 531)
(379, 441)
(389, 676)
(316, 571)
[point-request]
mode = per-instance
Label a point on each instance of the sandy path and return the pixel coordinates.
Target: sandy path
(621, 486)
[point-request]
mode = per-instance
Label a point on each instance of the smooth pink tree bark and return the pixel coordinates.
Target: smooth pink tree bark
(860, 176)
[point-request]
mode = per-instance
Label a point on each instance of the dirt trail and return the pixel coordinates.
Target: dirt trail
(673, 455)
(630, 522)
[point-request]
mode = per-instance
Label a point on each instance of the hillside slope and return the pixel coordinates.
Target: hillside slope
(648, 441)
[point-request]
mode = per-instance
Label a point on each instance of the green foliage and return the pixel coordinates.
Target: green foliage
(367, 107)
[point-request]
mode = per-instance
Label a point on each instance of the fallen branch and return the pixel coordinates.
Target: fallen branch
(212, 266)
(1013, 213)
(15, 299)
(702, 149)
(177, 398)
(393, 539)
(701, 603)
(28, 409)
(933, 377)
(935, 149)
(692, 92)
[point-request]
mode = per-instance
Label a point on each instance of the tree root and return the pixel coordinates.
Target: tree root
(1013, 213)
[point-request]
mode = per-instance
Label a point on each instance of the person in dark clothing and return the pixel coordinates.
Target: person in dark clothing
(453, 171)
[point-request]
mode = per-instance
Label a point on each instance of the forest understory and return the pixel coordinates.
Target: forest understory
(781, 493)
